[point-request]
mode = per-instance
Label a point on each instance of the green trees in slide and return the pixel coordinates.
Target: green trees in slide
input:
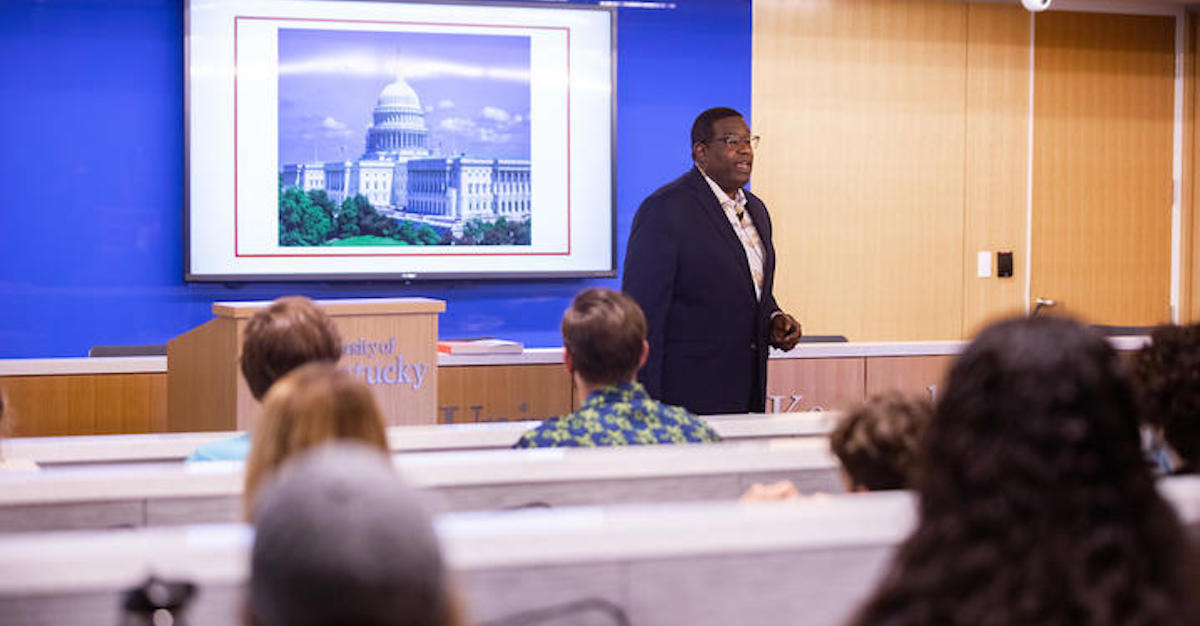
(312, 218)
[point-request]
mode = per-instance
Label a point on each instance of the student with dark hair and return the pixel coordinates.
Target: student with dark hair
(1166, 374)
(701, 264)
(278, 339)
(290, 332)
(341, 540)
(1036, 505)
(604, 343)
(879, 441)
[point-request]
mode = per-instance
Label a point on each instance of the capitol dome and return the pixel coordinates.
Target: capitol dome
(398, 124)
(399, 95)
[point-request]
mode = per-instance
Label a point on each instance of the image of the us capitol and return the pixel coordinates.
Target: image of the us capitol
(402, 178)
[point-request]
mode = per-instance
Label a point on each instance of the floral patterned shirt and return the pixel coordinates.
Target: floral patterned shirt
(619, 415)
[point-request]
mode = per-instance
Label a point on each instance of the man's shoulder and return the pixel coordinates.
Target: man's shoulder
(674, 191)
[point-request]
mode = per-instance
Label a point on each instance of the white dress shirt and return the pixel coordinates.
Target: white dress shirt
(743, 225)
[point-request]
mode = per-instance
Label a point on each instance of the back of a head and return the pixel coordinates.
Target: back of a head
(1166, 373)
(604, 331)
(340, 540)
(879, 441)
(1036, 503)
(1039, 404)
(290, 332)
(314, 404)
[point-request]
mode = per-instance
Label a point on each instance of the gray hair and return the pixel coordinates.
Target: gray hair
(341, 540)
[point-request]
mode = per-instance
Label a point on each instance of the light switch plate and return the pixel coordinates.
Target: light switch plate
(983, 266)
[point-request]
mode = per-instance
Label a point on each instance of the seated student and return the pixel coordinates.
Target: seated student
(877, 442)
(278, 339)
(604, 344)
(315, 404)
(1166, 374)
(8, 464)
(339, 539)
(1035, 503)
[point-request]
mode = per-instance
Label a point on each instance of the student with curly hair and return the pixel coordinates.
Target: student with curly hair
(879, 441)
(1036, 505)
(1166, 375)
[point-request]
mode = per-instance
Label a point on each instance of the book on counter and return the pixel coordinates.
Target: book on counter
(480, 345)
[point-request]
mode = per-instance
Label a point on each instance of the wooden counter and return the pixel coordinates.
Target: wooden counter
(90, 396)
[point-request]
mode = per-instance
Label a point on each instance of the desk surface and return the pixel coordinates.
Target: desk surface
(430, 470)
(218, 552)
(165, 447)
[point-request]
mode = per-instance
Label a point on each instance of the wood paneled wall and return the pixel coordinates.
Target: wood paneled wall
(860, 106)
(99, 404)
(1103, 153)
(489, 393)
(896, 148)
(1190, 301)
(997, 158)
(104, 404)
(83, 404)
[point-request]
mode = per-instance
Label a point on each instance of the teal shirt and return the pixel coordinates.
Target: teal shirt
(619, 415)
(235, 448)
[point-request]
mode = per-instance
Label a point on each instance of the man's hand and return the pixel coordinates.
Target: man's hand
(782, 490)
(785, 331)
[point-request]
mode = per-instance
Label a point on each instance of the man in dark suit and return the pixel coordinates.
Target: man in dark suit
(701, 265)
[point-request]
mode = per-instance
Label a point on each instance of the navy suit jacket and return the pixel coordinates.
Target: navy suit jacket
(687, 269)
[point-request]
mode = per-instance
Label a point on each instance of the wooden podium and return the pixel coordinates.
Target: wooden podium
(391, 344)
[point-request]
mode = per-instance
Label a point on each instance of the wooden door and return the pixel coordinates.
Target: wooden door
(1102, 166)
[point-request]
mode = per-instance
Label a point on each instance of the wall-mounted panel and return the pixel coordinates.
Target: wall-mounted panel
(98, 404)
(491, 393)
(861, 108)
(810, 384)
(915, 375)
(997, 158)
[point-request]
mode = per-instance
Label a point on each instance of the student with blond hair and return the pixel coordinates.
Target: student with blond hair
(315, 404)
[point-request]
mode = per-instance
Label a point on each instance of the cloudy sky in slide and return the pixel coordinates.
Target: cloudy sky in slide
(474, 90)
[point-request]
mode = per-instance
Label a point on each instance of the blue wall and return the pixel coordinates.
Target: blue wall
(91, 155)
